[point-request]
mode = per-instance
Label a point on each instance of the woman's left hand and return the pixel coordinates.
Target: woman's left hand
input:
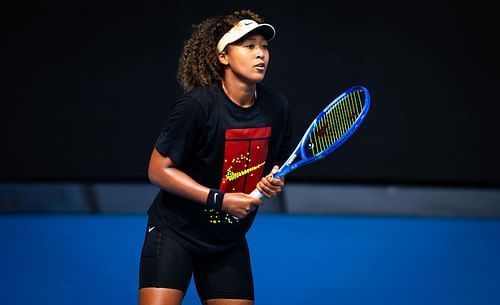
(269, 186)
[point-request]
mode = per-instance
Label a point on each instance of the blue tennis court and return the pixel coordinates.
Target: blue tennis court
(297, 259)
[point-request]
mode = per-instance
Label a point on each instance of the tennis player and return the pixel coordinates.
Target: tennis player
(219, 141)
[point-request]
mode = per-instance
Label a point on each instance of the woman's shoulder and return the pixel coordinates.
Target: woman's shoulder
(199, 99)
(268, 93)
(202, 95)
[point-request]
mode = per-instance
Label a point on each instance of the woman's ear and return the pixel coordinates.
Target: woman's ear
(223, 58)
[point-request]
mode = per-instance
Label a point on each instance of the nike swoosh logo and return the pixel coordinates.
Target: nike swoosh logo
(151, 229)
(215, 197)
(230, 175)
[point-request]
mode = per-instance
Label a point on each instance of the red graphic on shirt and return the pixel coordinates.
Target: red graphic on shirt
(245, 154)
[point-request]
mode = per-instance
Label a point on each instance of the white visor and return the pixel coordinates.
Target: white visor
(242, 28)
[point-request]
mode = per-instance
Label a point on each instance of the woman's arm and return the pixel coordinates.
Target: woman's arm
(163, 173)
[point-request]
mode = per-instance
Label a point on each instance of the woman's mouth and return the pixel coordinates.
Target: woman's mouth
(260, 67)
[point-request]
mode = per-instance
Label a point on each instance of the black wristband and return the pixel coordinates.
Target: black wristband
(214, 199)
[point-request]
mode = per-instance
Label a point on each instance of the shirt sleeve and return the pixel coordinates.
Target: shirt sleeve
(178, 136)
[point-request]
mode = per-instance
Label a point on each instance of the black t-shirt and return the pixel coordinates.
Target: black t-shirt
(223, 146)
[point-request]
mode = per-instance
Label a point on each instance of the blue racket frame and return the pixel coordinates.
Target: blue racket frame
(300, 150)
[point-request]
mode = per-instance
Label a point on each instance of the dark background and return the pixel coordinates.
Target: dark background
(85, 87)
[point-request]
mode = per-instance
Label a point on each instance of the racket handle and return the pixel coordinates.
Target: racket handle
(256, 194)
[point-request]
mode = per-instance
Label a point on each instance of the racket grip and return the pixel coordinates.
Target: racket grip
(256, 194)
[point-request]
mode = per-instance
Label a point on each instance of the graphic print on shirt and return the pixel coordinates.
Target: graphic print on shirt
(245, 153)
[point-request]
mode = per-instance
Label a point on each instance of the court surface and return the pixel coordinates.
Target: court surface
(297, 259)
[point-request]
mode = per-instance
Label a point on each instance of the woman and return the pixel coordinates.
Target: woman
(218, 142)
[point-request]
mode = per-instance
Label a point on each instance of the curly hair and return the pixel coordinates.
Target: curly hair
(198, 63)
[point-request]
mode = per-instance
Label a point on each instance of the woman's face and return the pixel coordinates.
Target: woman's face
(247, 59)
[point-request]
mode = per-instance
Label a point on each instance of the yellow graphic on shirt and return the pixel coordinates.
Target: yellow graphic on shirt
(220, 217)
(230, 175)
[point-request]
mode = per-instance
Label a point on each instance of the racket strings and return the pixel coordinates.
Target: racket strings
(336, 121)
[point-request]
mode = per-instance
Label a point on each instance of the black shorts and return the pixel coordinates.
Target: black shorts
(221, 275)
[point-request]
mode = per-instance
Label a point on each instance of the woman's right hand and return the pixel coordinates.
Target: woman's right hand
(239, 204)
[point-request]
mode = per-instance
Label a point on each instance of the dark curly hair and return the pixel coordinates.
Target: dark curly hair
(198, 63)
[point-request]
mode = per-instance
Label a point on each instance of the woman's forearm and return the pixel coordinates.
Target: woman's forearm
(163, 174)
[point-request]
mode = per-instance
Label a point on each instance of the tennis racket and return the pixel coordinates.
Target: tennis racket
(328, 131)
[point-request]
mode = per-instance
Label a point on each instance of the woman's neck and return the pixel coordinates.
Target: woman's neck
(241, 94)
